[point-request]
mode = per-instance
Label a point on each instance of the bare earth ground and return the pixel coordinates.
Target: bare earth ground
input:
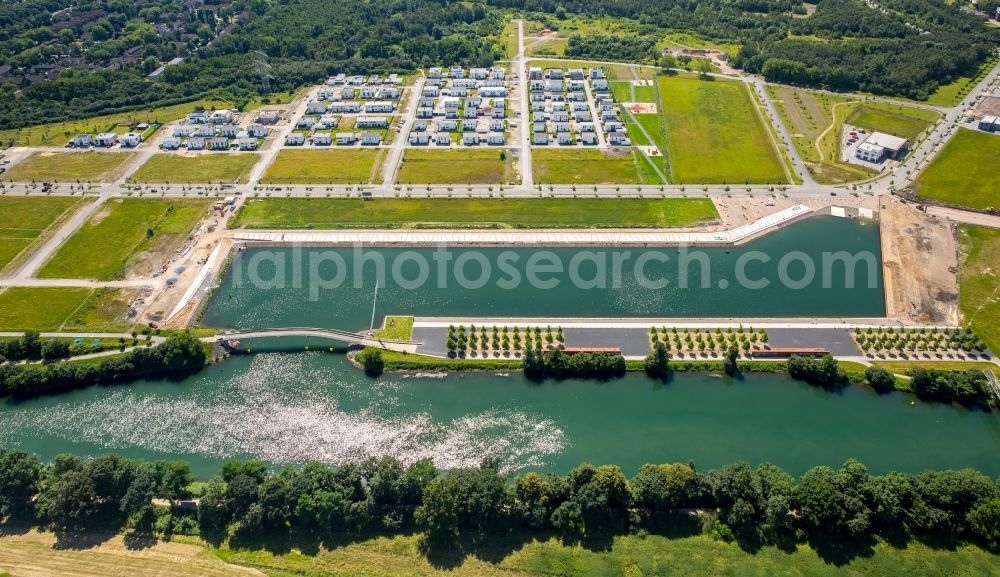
(920, 264)
(34, 554)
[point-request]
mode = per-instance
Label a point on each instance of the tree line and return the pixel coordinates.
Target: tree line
(179, 352)
(835, 510)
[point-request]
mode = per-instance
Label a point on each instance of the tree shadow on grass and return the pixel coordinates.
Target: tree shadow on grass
(137, 541)
(76, 541)
(839, 551)
(492, 549)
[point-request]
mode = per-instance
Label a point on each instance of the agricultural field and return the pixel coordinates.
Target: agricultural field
(26, 219)
(68, 309)
(70, 166)
(620, 166)
(964, 172)
(473, 212)
(123, 234)
(210, 167)
(978, 270)
(59, 133)
(814, 120)
(463, 166)
(714, 134)
(328, 166)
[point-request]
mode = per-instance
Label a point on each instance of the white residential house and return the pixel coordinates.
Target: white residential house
(498, 124)
(106, 139)
(322, 139)
(458, 91)
(348, 93)
(496, 138)
(247, 143)
(470, 112)
(295, 139)
(219, 143)
(538, 106)
(316, 107)
(425, 102)
(585, 127)
(457, 72)
(327, 122)
(463, 83)
(305, 123)
(130, 139)
(346, 107)
(497, 73)
(554, 73)
(535, 73)
(618, 139)
(419, 125)
(479, 73)
(346, 138)
(420, 139)
(229, 130)
(537, 85)
(538, 126)
(588, 138)
(493, 91)
(564, 138)
(372, 122)
(425, 112)
(575, 74)
(170, 143)
(197, 117)
(367, 92)
(470, 139)
(196, 143)
(540, 138)
(584, 116)
(184, 131)
(562, 126)
(205, 131)
(450, 102)
(599, 84)
(880, 146)
(596, 73)
(379, 106)
(430, 91)
(371, 139)
(575, 86)
(442, 139)
(221, 116)
(388, 93)
(81, 141)
(474, 102)
(447, 125)
(434, 72)
(325, 93)
(554, 86)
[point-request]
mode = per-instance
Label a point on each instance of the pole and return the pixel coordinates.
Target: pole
(371, 326)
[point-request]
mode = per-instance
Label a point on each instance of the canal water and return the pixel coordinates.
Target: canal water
(333, 288)
(294, 407)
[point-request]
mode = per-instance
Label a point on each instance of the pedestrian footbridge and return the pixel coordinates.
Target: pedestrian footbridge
(351, 338)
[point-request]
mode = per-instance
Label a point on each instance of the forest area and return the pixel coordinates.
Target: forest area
(67, 59)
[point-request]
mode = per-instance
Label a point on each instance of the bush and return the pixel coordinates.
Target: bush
(967, 387)
(880, 378)
(371, 359)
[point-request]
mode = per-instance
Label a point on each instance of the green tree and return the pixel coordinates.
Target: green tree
(984, 523)
(657, 363)
(372, 361)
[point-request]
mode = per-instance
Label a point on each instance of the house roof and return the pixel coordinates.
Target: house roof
(884, 140)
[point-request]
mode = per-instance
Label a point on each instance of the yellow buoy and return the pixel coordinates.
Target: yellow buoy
(307, 347)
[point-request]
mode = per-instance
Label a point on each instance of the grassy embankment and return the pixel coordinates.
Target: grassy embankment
(466, 212)
(714, 134)
(26, 221)
(114, 238)
(965, 172)
(176, 168)
(333, 166)
(464, 166)
(397, 328)
(69, 167)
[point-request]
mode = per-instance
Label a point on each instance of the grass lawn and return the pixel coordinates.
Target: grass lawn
(70, 166)
(396, 328)
(226, 167)
(905, 122)
(637, 137)
(979, 282)
(332, 166)
(59, 133)
(464, 166)
(468, 212)
(654, 128)
(587, 166)
(105, 246)
(714, 134)
(25, 219)
(901, 367)
(620, 556)
(965, 171)
(71, 309)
